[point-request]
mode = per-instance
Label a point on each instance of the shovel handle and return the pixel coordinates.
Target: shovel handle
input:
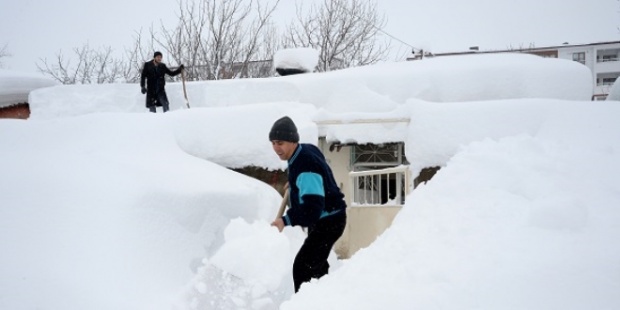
(184, 89)
(283, 204)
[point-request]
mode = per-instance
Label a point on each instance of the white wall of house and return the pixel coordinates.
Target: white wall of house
(606, 68)
(339, 161)
(602, 59)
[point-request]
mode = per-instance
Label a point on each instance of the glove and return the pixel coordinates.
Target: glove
(143, 90)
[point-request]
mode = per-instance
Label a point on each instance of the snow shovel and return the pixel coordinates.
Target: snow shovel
(184, 89)
(283, 205)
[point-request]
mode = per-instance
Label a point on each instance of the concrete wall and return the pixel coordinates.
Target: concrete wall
(364, 225)
(19, 111)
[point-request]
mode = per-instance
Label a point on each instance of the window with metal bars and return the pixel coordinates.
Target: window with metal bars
(379, 187)
(374, 156)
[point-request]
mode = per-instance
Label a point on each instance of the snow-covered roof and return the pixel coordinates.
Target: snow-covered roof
(16, 86)
(378, 91)
(304, 59)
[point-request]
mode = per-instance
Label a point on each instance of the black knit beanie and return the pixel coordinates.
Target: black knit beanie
(157, 54)
(284, 130)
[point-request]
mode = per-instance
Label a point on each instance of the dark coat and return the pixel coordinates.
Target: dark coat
(314, 193)
(155, 77)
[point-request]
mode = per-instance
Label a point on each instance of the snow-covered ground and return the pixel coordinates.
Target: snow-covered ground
(107, 206)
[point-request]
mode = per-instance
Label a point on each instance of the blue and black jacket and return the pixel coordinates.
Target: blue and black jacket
(313, 191)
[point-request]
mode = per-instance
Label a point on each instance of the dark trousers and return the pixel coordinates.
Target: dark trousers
(160, 100)
(311, 260)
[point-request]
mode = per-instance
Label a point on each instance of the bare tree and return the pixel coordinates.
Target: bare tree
(344, 31)
(92, 67)
(521, 47)
(4, 52)
(142, 50)
(219, 39)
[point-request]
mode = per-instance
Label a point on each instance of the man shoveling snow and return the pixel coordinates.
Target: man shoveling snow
(316, 201)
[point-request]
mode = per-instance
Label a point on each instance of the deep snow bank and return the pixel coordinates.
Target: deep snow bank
(376, 88)
(126, 203)
(106, 211)
(517, 220)
(238, 136)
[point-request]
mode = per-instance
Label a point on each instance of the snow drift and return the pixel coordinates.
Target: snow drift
(106, 206)
(15, 86)
(372, 89)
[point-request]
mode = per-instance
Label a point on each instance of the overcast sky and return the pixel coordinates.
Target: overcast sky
(35, 29)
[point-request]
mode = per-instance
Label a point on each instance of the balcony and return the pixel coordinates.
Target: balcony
(384, 187)
(377, 197)
(607, 61)
(607, 65)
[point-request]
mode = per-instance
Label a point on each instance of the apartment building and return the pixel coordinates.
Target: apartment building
(602, 58)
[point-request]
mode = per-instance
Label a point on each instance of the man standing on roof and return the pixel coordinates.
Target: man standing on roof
(316, 201)
(154, 72)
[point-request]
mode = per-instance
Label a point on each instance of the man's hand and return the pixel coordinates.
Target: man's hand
(279, 223)
(143, 90)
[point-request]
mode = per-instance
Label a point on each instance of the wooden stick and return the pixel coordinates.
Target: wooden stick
(184, 89)
(283, 205)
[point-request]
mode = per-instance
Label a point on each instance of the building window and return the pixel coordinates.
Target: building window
(607, 58)
(609, 81)
(580, 57)
(376, 156)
